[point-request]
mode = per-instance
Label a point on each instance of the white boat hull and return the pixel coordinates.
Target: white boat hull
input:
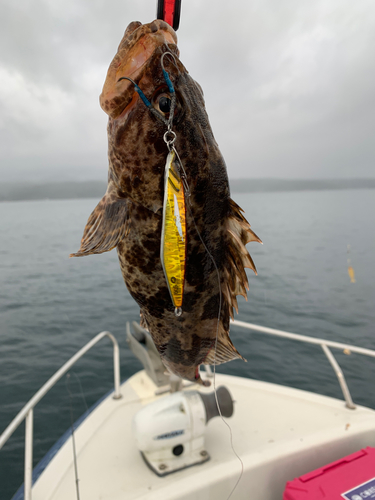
(279, 433)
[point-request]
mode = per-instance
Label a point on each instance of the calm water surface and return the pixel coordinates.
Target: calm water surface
(51, 305)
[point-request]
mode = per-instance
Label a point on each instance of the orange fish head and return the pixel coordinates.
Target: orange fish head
(136, 149)
(135, 53)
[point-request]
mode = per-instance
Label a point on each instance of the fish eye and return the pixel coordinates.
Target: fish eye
(164, 104)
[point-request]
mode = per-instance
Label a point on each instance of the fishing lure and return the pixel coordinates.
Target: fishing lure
(173, 234)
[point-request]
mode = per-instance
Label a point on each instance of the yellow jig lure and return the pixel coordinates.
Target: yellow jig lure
(173, 235)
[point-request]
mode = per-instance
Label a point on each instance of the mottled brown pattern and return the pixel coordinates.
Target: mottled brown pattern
(129, 215)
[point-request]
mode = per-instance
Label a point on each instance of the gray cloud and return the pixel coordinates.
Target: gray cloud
(289, 85)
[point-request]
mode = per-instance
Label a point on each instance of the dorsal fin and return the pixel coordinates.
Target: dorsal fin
(238, 258)
(107, 225)
(234, 280)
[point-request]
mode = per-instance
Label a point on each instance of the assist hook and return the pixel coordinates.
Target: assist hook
(167, 79)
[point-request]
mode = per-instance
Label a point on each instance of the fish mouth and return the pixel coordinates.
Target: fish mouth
(136, 48)
(130, 29)
(199, 380)
(136, 30)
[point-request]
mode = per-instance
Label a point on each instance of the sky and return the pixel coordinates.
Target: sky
(289, 84)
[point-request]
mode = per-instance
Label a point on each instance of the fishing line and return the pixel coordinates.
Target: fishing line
(148, 103)
(217, 327)
(81, 389)
(169, 138)
(170, 145)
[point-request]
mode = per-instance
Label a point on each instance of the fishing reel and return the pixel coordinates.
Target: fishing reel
(170, 431)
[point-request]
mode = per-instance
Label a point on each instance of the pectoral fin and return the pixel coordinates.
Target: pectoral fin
(222, 351)
(107, 225)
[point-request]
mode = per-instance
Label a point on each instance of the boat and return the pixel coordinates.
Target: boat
(157, 437)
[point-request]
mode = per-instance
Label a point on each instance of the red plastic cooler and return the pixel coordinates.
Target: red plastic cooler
(350, 478)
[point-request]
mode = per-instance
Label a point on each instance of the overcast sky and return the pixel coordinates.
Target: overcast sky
(289, 84)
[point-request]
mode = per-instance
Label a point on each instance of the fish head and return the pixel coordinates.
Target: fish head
(140, 46)
(137, 150)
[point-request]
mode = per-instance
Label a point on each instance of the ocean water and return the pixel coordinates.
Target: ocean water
(50, 306)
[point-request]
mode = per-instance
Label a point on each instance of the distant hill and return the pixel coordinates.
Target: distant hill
(269, 185)
(96, 189)
(52, 191)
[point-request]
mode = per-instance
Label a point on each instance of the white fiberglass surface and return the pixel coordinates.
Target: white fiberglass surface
(278, 432)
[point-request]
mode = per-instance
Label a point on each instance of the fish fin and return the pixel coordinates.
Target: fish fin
(247, 234)
(106, 226)
(225, 351)
(235, 281)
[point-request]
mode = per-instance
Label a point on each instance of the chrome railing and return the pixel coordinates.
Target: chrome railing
(27, 412)
(324, 344)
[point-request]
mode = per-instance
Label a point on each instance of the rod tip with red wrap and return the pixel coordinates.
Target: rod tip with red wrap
(169, 11)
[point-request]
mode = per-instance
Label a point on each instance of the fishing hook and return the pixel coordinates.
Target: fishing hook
(146, 101)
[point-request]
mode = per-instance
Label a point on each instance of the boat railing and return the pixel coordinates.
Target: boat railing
(27, 412)
(324, 344)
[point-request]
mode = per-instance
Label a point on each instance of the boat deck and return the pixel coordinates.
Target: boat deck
(279, 433)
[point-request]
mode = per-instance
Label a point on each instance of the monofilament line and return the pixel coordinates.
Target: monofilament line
(216, 339)
(170, 145)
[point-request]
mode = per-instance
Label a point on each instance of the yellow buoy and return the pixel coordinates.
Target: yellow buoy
(350, 267)
(173, 235)
(351, 274)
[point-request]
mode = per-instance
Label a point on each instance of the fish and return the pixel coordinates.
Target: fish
(129, 217)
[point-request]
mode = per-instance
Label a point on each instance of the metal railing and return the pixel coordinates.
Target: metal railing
(324, 344)
(27, 412)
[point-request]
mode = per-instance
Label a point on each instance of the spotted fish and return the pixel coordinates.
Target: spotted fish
(130, 215)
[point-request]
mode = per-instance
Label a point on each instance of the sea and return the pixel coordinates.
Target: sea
(51, 305)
